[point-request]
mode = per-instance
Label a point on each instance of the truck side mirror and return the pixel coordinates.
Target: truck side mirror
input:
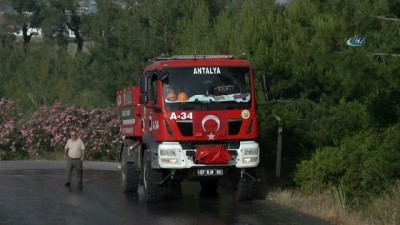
(143, 84)
(266, 85)
(143, 99)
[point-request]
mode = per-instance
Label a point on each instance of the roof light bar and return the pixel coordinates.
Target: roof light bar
(194, 57)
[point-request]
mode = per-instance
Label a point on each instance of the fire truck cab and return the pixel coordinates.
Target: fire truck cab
(193, 117)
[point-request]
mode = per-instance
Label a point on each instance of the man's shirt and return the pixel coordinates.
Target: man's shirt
(75, 148)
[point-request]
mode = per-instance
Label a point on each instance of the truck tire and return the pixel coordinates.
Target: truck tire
(209, 186)
(129, 175)
(153, 189)
(245, 189)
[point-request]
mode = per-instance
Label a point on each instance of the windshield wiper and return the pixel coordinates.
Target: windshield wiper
(236, 105)
(182, 108)
(202, 104)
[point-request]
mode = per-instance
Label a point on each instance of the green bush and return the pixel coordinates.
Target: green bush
(362, 166)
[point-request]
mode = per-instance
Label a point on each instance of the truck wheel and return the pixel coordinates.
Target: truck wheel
(129, 175)
(209, 186)
(153, 189)
(245, 189)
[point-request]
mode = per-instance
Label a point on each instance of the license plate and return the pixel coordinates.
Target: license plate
(210, 172)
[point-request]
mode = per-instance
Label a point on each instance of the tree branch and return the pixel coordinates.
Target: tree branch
(390, 17)
(370, 54)
(383, 54)
(386, 18)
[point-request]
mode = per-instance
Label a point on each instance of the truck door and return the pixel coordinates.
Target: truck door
(151, 110)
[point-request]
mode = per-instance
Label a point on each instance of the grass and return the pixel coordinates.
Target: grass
(386, 210)
(332, 207)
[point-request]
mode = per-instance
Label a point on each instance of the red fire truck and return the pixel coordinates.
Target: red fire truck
(192, 117)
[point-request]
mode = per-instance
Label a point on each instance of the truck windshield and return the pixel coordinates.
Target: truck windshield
(207, 88)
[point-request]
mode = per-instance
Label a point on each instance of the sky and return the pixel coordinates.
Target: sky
(282, 2)
(88, 6)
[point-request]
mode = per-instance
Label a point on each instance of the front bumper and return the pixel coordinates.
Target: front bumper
(171, 155)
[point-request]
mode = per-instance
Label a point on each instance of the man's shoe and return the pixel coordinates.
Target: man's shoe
(67, 184)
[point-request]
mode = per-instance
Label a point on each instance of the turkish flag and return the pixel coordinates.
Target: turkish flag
(211, 125)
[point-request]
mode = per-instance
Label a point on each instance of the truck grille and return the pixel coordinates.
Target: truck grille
(234, 127)
(186, 128)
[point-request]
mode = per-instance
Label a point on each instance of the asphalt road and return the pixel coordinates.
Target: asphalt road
(32, 192)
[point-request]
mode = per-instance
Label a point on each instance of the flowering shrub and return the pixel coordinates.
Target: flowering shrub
(48, 131)
(9, 120)
(102, 134)
(48, 128)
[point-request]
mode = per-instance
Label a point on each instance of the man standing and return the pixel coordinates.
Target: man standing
(74, 153)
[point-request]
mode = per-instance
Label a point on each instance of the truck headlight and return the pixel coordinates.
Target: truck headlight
(250, 151)
(169, 155)
(248, 154)
(170, 161)
(250, 159)
(168, 152)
